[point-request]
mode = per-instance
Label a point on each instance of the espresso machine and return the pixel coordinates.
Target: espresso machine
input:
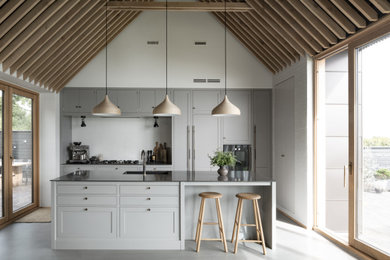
(78, 153)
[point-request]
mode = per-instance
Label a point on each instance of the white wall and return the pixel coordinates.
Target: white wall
(49, 131)
(302, 189)
(133, 63)
(121, 138)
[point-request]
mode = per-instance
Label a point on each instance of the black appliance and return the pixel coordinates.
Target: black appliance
(242, 152)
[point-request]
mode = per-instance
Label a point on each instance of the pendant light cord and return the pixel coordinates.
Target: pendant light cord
(225, 53)
(106, 48)
(166, 47)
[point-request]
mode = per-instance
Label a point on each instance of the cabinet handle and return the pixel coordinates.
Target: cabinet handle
(148, 188)
(85, 209)
(116, 168)
(153, 107)
(282, 155)
(85, 198)
(85, 188)
(193, 107)
(148, 210)
(148, 198)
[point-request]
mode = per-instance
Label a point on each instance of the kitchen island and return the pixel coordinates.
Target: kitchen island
(110, 210)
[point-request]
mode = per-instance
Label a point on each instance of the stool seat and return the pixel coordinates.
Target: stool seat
(248, 196)
(210, 195)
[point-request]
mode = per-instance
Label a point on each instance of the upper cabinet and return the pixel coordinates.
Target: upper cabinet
(78, 100)
(149, 99)
(237, 129)
(203, 101)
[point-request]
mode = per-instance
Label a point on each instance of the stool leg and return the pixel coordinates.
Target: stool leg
(220, 224)
(200, 226)
(238, 226)
(256, 220)
(199, 218)
(235, 220)
(261, 228)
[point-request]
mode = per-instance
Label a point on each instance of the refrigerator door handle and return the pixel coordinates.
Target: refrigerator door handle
(193, 148)
(188, 148)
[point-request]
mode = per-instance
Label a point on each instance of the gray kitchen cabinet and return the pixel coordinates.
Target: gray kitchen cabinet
(78, 100)
(262, 129)
(126, 100)
(181, 131)
(203, 101)
(237, 129)
(147, 100)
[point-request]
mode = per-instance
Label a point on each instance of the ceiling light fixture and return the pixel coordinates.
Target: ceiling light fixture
(226, 108)
(106, 107)
(166, 108)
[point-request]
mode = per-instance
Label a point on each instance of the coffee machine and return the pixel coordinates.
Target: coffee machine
(78, 153)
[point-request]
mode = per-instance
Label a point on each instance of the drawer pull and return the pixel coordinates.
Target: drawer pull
(148, 188)
(148, 210)
(148, 198)
(85, 198)
(85, 188)
(85, 209)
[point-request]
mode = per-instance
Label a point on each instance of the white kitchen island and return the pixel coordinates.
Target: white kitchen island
(108, 210)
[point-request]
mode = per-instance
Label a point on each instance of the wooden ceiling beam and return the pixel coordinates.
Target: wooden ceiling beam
(24, 23)
(89, 57)
(179, 6)
(305, 24)
(382, 5)
(38, 35)
(335, 14)
(31, 29)
(53, 35)
(350, 13)
(277, 26)
(317, 23)
(81, 29)
(71, 49)
(17, 16)
(2, 2)
(365, 9)
(8, 9)
(256, 40)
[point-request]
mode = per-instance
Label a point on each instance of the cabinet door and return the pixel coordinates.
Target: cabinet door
(87, 100)
(206, 141)
(128, 100)
(149, 223)
(237, 129)
(147, 100)
(70, 100)
(203, 101)
(86, 222)
(182, 132)
(262, 123)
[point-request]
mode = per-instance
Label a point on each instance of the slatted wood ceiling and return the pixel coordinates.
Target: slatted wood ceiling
(47, 42)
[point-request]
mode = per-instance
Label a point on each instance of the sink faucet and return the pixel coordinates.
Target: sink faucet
(143, 158)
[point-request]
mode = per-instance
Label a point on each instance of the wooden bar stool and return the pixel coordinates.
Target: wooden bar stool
(237, 221)
(198, 236)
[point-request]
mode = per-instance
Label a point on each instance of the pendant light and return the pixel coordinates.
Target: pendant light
(106, 107)
(225, 108)
(166, 108)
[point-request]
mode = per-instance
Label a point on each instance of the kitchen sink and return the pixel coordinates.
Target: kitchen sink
(148, 172)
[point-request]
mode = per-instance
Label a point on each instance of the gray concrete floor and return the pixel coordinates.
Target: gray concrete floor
(32, 241)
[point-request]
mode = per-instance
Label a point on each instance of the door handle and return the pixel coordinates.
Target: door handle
(193, 147)
(11, 157)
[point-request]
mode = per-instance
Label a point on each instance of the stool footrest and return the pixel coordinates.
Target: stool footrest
(248, 225)
(210, 223)
(211, 239)
(250, 241)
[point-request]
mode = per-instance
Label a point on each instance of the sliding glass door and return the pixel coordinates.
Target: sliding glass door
(370, 146)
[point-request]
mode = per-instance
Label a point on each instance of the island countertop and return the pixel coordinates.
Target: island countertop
(168, 176)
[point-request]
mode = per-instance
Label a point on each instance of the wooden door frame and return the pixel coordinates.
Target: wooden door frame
(9, 89)
(352, 113)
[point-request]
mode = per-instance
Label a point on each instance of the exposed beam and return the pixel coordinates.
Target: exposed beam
(349, 12)
(2, 2)
(31, 29)
(306, 25)
(8, 8)
(382, 5)
(41, 46)
(336, 15)
(16, 16)
(179, 6)
(314, 21)
(365, 9)
(24, 23)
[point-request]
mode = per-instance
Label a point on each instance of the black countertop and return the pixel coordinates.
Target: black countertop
(169, 176)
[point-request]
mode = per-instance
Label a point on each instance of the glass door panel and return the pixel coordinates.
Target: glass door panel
(372, 203)
(22, 152)
(2, 208)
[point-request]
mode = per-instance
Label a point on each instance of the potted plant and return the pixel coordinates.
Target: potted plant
(223, 160)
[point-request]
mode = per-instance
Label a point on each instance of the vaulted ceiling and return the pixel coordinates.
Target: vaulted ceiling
(47, 42)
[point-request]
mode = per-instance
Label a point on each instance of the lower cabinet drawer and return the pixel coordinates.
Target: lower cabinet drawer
(86, 222)
(149, 190)
(149, 201)
(87, 189)
(86, 200)
(149, 223)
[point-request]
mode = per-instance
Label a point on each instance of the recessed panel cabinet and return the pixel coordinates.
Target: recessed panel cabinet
(78, 100)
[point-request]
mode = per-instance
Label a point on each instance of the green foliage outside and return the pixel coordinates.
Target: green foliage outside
(382, 174)
(21, 113)
(376, 141)
(223, 159)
